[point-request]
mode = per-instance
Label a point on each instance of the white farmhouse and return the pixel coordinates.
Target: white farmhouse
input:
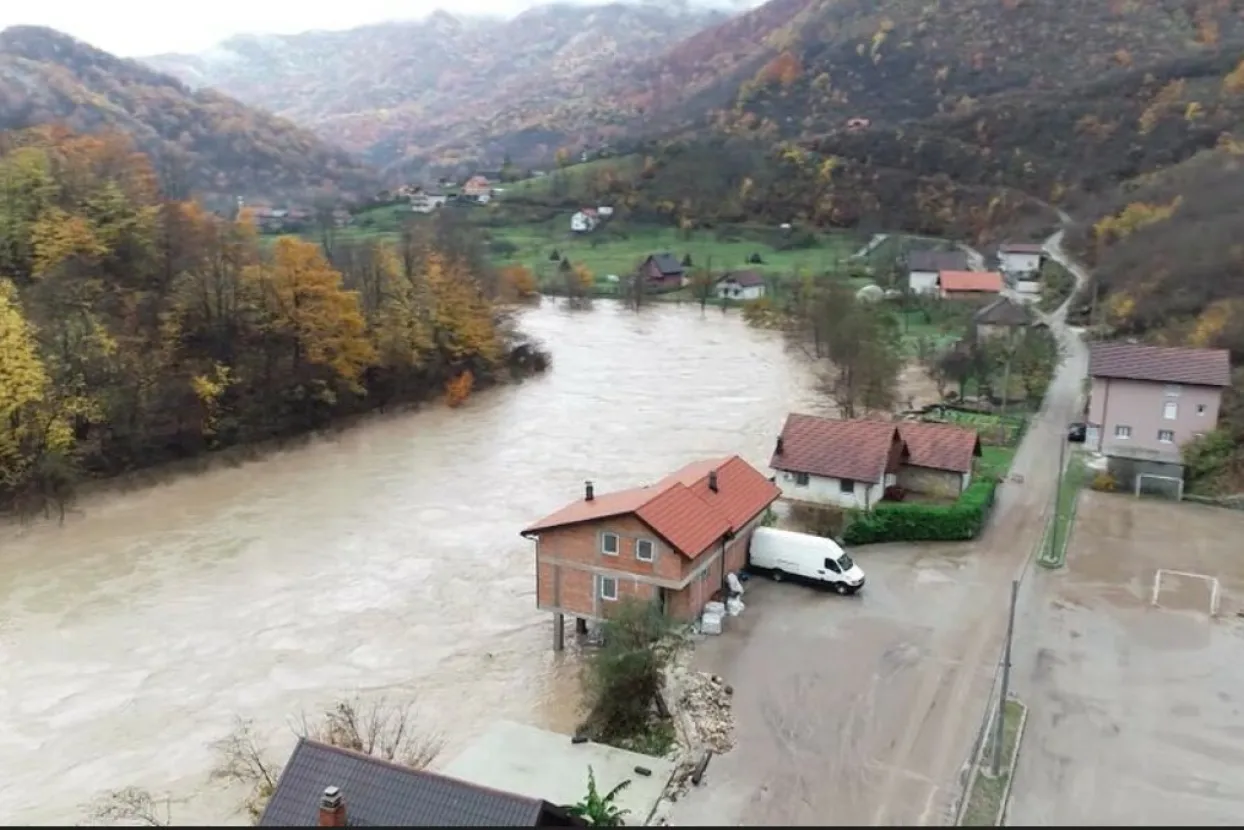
(851, 464)
(584, 221)
(741, 285)
(836, 463)
(427, 201)
(924, 266)
(1016, 258)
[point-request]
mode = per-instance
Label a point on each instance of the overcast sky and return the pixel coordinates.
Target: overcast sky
(145, 27)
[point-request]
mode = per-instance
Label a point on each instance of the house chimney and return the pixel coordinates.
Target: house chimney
(778, 449)
(712, 480)
(589, 492)
(332, 808)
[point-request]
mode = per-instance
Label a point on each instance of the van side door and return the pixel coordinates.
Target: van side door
(830, 572)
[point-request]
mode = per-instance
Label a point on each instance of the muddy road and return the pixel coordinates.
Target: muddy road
(386, 561)
(864, 711)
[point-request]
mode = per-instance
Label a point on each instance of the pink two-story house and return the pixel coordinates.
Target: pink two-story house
(1148, 401)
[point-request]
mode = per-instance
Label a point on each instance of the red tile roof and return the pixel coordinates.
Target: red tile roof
(855, 450)
(681, 508)
(940, 446)
(1160, 364)
(970, 281)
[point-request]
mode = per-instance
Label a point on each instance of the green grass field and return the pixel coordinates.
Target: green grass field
(570, 180)
(618, 251)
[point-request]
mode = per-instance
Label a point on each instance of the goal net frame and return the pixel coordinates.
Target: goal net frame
(1214, 589)
(1179, 483)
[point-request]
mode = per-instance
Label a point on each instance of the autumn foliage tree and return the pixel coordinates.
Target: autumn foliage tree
(135, 328)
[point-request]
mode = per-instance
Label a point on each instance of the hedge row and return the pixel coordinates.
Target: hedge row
(915, 522)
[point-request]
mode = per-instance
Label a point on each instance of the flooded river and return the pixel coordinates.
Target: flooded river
(385, 561)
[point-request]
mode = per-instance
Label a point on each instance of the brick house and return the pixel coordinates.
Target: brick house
(1145, 402)
(672, 542)
(326, 786)
(663, 271)
(969, 285)
(850, 463)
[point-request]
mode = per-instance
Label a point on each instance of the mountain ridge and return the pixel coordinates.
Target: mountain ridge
(446, 88)
(214, 144)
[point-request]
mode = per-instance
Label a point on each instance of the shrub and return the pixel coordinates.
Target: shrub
(914, 522)
(622, 679)
(1104, 482)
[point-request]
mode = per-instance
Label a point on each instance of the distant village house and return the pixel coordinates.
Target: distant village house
(663, 271)
(969, 285)
(924, 266)
(1001, 318)
(427, 201)
(672, 542)
(741, 285)
(1016, 258)
(478, 188)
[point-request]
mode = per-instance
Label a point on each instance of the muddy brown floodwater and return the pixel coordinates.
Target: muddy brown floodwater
(386, 561)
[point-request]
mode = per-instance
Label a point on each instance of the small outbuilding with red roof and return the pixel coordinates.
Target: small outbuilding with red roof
(672, 542)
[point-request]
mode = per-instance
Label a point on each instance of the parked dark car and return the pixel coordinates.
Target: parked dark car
(1076, 433)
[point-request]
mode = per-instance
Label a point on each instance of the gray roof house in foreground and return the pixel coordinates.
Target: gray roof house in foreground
(326, 786)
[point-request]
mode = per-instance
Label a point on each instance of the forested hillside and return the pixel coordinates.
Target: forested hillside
(200, 141)
(449, 89)
(135, 328)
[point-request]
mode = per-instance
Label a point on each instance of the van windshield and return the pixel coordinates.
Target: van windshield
(845, 562)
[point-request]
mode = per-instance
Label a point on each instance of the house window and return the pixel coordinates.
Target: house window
(1170, 410)
(607, 587)
(846, 485)
(1122, 431)
(609, 544)
(801, 479)
(1200, 409)
(1166, 436)
(645, 551)
(1172, 390)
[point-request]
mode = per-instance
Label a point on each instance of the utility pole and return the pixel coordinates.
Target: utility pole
(1000, 717)
(1058, 497)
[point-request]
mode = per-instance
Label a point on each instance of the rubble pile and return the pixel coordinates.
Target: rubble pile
(704, 702)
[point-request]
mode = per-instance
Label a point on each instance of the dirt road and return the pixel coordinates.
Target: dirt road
(863, 711)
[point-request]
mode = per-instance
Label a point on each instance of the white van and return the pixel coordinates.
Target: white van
(784, 553)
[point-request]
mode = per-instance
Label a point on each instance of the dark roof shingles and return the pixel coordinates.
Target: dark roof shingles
(1004, 312)
(937, 261)
(746, 279)
(940, 446)
(1160, 364)
(667, 264)
(854, 450)
(381, 794)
